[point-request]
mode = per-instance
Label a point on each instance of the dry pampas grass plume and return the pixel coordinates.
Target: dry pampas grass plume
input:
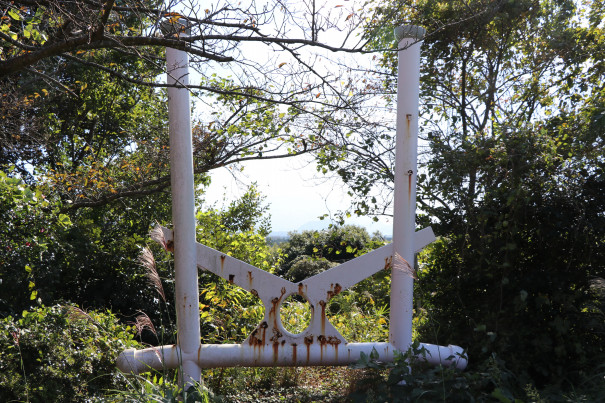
(399, 263)
(147, 260)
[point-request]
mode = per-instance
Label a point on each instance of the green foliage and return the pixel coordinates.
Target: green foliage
(511, 181)
(521, 279)
(358, 318)
(156, 387)
(30, 226)
(305, 266)
(229, 313)
(409, 379)
(337, 244)
(60, 353)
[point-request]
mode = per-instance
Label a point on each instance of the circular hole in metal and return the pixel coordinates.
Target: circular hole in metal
(295, 314)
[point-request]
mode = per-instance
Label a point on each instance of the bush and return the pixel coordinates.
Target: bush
(60, 354)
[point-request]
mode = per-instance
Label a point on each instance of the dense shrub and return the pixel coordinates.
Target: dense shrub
(60, 354)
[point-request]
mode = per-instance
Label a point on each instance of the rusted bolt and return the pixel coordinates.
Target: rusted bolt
(231, 278)
(254, 292)
(264, 325)
(410, 172)
(309, 339)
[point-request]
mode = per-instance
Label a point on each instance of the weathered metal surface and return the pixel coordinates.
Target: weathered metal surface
(286, 355)
(183, 210)
(317, 290)
(404, 193)
(139, 361)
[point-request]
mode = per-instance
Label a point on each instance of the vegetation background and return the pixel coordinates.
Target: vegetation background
(512, 182)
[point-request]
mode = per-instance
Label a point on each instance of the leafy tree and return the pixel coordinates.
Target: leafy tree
(514, 133)
(84, 65)
(337, 244)
(305, 266)
(311, 252)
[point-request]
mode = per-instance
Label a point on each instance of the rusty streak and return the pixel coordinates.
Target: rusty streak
(322, 303)
(308, 342)
(388, 262)
(334, 290)
(300, 289)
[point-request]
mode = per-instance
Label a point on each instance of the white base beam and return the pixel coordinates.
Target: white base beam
(278, 355)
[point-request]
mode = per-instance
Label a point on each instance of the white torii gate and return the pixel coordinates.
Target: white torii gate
(270, 344)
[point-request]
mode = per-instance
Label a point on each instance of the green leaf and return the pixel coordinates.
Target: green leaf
(64, 220)
(14, 15)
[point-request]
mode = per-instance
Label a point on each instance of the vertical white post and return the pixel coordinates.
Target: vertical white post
(404, 209)
(183, 215)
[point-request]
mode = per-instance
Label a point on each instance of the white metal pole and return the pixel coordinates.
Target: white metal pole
(404, 209)
(183, 215)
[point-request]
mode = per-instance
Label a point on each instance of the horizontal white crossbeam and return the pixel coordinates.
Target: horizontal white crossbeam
(232, 355)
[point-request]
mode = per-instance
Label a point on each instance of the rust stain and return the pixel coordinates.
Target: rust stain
(324, 342)
(250, 278)
(275, 352)
(330, 340)
(257, 337)
(231, 278)
(223, 262)
(273, 311)
(170, 246)
(334, 290)
(294, 345)
(276, 336)
(308, 342)
(322, 303)
(264, 326)
(388, 262)
(301, 291)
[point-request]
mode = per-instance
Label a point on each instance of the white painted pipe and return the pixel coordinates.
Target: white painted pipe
(183, 213)
(404, 208)
(282, 355)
